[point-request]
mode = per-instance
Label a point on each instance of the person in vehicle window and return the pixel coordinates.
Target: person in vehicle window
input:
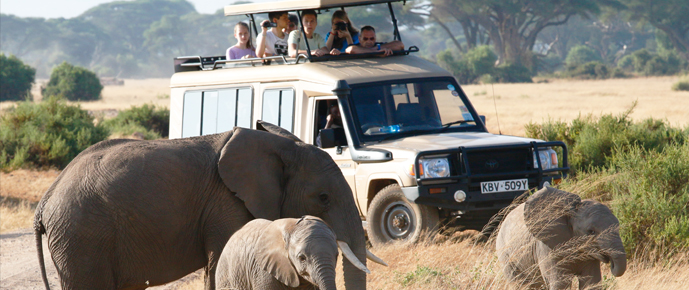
(316, 41)
(342, 33)
(293, 23)
(244, 48)
(368, 43)
(334, 120)
(274, 41)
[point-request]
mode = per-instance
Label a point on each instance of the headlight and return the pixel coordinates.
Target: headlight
(548, 158)
(436, 167)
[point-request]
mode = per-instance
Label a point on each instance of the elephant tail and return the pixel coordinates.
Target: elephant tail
(39, 230)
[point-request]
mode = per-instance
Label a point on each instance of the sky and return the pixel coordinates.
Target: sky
(73, 8)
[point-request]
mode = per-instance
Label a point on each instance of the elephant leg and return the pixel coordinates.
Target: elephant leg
(556, 278)
(590, 276)
(225, 219)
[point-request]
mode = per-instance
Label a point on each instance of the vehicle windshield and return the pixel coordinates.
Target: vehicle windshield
(400, 109)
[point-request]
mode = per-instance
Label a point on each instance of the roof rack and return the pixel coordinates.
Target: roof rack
(196, 63)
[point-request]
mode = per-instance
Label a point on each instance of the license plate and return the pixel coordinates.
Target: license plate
(504, 185)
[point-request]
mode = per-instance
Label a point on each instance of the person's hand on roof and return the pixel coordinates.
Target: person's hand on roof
(335, 51)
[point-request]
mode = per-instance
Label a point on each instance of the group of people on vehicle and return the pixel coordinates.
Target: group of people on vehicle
(281, 36)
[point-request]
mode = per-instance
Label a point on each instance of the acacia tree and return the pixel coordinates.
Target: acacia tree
(513, 25)
(670, 16)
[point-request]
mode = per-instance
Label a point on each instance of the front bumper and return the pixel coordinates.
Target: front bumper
(469, 181)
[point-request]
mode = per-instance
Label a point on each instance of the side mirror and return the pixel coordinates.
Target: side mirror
(333, 137)
(483, 118)
(327, 138)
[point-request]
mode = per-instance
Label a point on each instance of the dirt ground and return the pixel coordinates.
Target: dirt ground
(516, 105)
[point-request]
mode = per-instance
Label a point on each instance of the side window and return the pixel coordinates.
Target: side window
(210, 112)
(191, 116)
(278, 107)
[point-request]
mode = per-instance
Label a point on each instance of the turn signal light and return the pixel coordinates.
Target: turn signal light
(437, 190)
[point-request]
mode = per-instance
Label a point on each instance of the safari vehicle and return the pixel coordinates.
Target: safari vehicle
(412, 147)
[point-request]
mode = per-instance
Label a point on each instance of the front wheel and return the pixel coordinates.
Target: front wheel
(394, 219)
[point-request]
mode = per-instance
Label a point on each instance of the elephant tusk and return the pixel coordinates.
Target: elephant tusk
(347, 253)
(374, 258)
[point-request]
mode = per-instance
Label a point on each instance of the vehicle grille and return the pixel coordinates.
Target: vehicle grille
(500, 161)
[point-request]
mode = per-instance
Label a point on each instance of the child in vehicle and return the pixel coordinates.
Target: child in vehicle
(244, 48)
(273, 41)
(342, 34)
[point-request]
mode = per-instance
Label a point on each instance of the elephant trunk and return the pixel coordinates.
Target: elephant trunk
(325, 278)
(618, 264)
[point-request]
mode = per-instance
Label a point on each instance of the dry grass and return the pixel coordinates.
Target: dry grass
(26, 184)
(519, 104)
(15, 214)
(134, 92)
(463, 264)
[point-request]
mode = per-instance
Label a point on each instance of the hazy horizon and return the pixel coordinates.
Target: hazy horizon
(73, 8)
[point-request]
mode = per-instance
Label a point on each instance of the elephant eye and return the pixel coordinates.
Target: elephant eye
(324, 198)
(592, 232)
(301, 258)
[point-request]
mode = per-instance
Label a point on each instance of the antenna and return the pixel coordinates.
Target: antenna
(496, 108)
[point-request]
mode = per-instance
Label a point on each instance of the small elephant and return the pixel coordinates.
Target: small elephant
(129, 214)
(283, 254)
(555, 236)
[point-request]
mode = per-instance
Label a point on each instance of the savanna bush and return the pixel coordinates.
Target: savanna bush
(16, 79)
(152, 122)
(591, 141)
(581, 54)
(666, 62)
(592, 70)
(73, 83)
(46, 134)
(681, 86)
(479, 62)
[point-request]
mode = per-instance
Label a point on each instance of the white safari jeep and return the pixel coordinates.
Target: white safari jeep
(411, 145)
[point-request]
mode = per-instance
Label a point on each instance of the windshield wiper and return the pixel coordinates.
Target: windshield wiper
(456, 122)
(447, 125)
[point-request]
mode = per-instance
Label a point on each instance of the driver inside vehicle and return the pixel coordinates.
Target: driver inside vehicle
(333, 121)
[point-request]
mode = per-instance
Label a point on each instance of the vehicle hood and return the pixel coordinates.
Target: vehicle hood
(450, 141)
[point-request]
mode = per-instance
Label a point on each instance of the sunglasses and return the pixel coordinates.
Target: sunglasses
(367, 39)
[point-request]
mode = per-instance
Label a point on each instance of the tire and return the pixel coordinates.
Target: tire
(392, 218)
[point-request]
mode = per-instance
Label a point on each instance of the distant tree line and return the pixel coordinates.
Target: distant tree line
(524, 37)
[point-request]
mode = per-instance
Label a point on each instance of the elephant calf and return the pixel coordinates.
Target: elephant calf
(281, 254)
(555, 236)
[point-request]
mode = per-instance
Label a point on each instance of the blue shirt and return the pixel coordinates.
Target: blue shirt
(355, 38)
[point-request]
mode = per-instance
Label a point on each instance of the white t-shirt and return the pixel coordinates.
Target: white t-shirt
(274, 45)
(314, 43)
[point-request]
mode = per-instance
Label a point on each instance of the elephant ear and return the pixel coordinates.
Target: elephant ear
(272, 254)
(252, 165)
(547, 215)
(277, 130)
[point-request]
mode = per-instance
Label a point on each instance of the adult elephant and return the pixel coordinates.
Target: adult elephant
(128, 214)
(555, 236)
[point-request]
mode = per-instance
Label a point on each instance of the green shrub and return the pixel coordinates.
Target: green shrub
(479, 62)
(152, 122)
(590, 70)
(681, 86)
(512, 73)
(47, 134)
(73, 83)
(591, 141)
(668, 62)
(16, 79)
(581, 54)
